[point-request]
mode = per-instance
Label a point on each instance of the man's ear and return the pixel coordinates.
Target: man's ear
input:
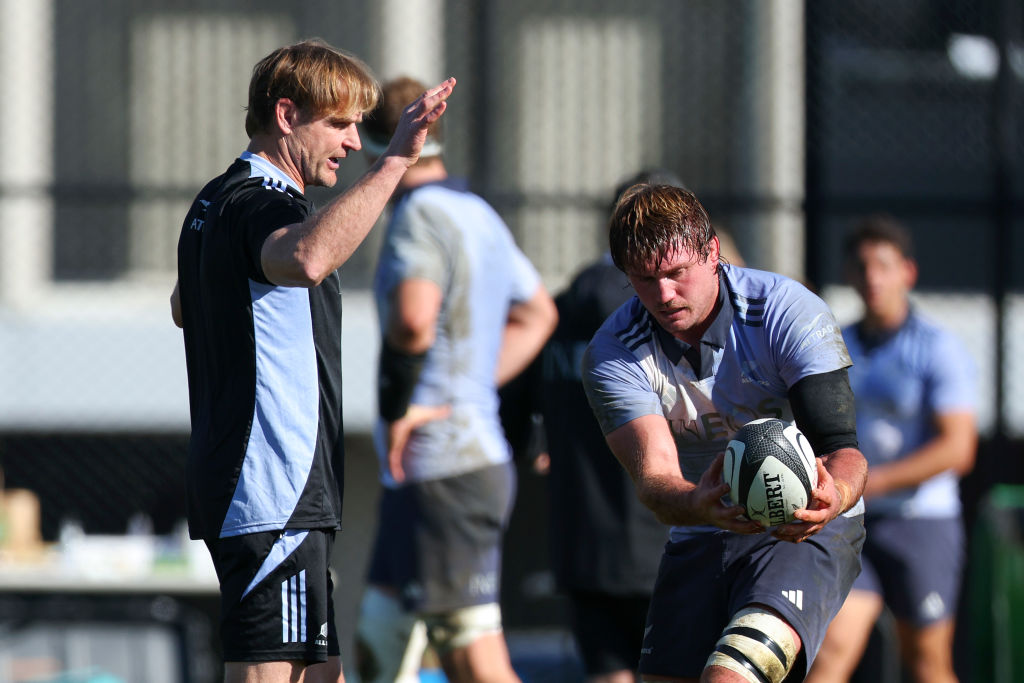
(714, 251)
(911, 273)
(286, 115)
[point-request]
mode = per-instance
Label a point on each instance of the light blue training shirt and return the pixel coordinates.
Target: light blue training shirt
(445, 234)
(901, 383)
(770, 333)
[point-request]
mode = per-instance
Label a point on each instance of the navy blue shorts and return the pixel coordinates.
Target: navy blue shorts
(276, 596)
(706, 579)
(439, 542)
(915, 565)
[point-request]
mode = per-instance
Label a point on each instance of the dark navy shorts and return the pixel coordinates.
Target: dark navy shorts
(608, 630)
(439, 542)
(916, 565)
(706, 579)
(276, 596)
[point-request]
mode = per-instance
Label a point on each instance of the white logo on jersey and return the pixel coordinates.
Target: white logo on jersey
(321, 639)
(796, 597)
(293, 608)
(197, 223)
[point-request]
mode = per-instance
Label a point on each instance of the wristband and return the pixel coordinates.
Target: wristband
(397, 375)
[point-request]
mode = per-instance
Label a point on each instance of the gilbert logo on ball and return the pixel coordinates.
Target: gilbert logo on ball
(771, 470)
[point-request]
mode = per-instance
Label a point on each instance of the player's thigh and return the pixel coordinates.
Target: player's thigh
(928, 650)
(325, 672)
(258, 672)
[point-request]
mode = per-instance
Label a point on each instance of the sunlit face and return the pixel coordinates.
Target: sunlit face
(317, 147)
(680, 292)
(883, 277)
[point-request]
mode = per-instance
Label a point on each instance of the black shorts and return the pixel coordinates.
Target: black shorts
(608, 630)
(706, 579)
(276, 596)
(439, 541)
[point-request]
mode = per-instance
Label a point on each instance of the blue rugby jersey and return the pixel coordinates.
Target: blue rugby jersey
(264, 365)
(770, 333)
(900, 384)
(452, 237)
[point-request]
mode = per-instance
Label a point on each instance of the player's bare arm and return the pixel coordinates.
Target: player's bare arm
(954, 447)
(529, 325)
(646, 449)
(412, 320)
(303, 254)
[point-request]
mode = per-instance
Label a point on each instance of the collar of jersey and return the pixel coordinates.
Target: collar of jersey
(871, 341)
(717, 335)
(263, 168)
(451, 183)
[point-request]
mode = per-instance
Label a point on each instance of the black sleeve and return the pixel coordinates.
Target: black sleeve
(397, 375)
(824, 411)
(267, 212)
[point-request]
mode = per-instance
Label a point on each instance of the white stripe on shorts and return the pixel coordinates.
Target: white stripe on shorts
(293, 608)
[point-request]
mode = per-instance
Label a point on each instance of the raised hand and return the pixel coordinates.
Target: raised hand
(411, 131)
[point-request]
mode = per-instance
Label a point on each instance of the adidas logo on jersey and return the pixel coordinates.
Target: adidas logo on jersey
(796, 597)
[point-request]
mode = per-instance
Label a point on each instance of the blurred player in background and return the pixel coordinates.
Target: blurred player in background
(462, 311)
(702, 349)
(914, 384)
(258, 299)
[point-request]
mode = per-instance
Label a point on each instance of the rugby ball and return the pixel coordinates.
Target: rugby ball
(770, 469)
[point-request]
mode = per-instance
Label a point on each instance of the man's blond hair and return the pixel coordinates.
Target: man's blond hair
(318, 78)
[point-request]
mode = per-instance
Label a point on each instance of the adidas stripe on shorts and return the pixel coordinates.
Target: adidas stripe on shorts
(276, 596)
(705, 579)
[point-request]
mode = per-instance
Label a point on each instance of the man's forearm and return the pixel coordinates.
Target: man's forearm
(302, 255)
(528, 327)
(667, 498)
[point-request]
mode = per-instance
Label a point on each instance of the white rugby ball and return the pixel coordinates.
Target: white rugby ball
(770, 469)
